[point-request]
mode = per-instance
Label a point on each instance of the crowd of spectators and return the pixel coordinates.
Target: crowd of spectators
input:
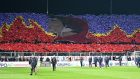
(104, 23)
(97, 23)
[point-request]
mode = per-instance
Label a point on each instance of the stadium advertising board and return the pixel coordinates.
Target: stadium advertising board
(65, 64)
(124, 63)
(14, 64)
(85, 63)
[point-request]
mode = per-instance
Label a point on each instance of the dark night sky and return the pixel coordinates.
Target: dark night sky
(71, 6)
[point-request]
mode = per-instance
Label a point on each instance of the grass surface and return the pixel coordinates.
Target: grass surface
(72, 73)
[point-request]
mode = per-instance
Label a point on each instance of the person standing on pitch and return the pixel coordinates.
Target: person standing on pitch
(120, 60)
(81, 61)
(54, 61)
(100, 61)
(33, 63)
(90, 61)
(95, 61)
(138, 62)
(106, 61)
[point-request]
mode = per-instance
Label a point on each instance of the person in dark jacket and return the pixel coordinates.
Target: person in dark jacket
(106, 61)
(90, 61)
(54, 61)
(95, 61)
(33, 63)
(81, 61)
(100, 61)
(41, 59)
(138, 62)
(120, 60)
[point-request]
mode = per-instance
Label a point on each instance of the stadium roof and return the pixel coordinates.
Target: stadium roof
(72, 6)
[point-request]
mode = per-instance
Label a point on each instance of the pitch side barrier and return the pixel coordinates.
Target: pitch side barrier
(65, 61)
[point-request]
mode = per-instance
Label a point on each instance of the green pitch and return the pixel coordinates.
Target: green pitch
(72, 73)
